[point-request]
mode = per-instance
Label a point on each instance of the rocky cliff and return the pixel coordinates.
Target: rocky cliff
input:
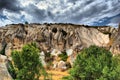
(56, 39)
(55, 36)
(4, 74)
(115, 47)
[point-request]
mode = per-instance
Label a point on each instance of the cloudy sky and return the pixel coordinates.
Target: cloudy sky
(88, 12)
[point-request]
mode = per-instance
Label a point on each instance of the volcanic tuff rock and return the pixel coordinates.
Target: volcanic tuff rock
(54, 36)
(55, 39)
(4, 74)
(115, 47)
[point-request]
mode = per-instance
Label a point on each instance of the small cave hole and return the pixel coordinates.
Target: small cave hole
(64, 33)
(54, 30)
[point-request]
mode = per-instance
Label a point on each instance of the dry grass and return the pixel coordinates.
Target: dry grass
(56, 74)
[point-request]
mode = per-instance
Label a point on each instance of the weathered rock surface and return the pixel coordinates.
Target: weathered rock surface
(115, 47)
(42, 57)
(54, 36)
(62, 65)
(4, 74)
(55, 39)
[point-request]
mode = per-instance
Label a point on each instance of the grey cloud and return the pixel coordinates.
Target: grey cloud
(94, 11)
(81, 11)
(75, 15)
(73, 1)
(10, 5)
(115, 19)
(86, 2)
(36, 13)
(50, 15)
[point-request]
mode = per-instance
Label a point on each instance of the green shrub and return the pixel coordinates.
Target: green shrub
(95, 63)
(115, 73)
(63, 56)
(48, 60)
(27, 63)
(11, 70)
(26, 22)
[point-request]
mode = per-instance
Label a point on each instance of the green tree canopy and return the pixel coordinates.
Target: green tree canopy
(27, 63)
(95, 63)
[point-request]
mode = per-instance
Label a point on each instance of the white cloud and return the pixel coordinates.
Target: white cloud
(12, 17)
(25, 3)
(3, 22)
(113, 24)
(71, 11)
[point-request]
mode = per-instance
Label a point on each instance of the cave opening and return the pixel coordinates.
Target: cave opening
(64, 33)
(54, 30)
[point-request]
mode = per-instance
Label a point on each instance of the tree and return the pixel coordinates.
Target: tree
(26, 22)
(95, 63)
(63, 56)
(27, 63)
(115, 73)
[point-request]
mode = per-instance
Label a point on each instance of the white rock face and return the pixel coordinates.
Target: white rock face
(69, 52)
(4, 74)
(42, 57)
(93, 37)
(55, 52)
(3, 58)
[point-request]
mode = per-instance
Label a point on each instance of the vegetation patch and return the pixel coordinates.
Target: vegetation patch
(95, 63)
(63, 56)
(27, 64)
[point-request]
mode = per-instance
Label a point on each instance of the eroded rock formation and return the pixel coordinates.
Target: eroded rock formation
(115, 47)
(54, 36)
(4, 74)
(57, 38)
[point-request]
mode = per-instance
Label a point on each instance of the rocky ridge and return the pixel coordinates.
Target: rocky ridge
(56, 39)
(54, 36)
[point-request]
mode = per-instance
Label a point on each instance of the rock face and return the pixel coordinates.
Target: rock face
(54, 36)
(62, 65)
(4, 75)
(55, 39)
(115, 47)
(42, 57)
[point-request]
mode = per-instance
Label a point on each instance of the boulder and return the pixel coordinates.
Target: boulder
(4, 74)
(55, 52)
(69, 52)
(3, 58)
(62, 65)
